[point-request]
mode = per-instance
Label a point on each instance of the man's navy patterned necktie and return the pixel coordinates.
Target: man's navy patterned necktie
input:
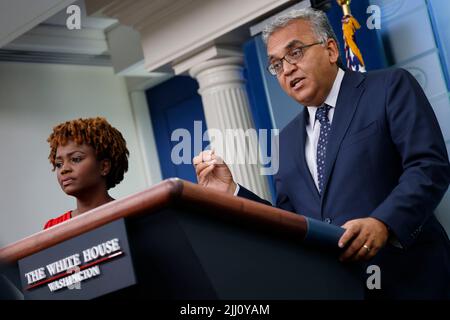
(325, 128)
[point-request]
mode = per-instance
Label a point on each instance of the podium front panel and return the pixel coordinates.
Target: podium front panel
(88, 266)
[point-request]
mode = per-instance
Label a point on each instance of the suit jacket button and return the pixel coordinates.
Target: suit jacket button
(328, 220)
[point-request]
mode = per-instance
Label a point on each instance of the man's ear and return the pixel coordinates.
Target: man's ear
(105, 167)
(333, 51)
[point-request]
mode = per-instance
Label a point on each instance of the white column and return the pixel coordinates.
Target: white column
(226, 106)
(146, 139)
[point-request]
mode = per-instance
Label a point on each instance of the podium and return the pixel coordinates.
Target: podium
(178, 240)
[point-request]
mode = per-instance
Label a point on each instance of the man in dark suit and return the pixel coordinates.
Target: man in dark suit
(365, 153)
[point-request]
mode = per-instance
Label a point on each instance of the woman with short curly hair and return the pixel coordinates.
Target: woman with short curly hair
(90, 157)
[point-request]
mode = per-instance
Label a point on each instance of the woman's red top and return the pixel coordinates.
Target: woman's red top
(55, 221)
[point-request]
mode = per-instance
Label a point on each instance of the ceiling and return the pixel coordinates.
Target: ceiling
(38, 34)
(50, 41)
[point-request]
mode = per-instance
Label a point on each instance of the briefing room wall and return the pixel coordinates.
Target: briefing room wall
(34, 98)
(439, 11)
(409, 39)
(409, 42)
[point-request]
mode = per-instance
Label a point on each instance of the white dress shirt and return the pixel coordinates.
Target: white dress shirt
(313, 127)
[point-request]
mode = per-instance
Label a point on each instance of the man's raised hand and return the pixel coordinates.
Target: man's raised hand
(213, 173)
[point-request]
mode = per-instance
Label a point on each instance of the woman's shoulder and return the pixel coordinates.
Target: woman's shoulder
(57, 220)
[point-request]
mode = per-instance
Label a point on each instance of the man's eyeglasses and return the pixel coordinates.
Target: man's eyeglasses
(292, 57)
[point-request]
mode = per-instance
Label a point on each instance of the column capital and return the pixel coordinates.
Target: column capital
(213, 63)
(218, 72)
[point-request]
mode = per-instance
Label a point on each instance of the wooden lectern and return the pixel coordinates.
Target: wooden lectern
(189, 242)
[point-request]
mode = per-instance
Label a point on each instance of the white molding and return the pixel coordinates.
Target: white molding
(20, 16)
(198, 25)
(138, 70)
(210, 53)
(205, 72)
(62, 31)
(142, 13)
(145, 83)
(173, 29)
(128, 59)
(158, 17)
(60, 39)
(125, 48)
(115, 7)
(96, 7)
(146, 139)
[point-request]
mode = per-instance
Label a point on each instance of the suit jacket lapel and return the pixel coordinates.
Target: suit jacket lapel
(347, 102)
(300, 155)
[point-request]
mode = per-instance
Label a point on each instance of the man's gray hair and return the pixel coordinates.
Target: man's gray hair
(318, 19)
